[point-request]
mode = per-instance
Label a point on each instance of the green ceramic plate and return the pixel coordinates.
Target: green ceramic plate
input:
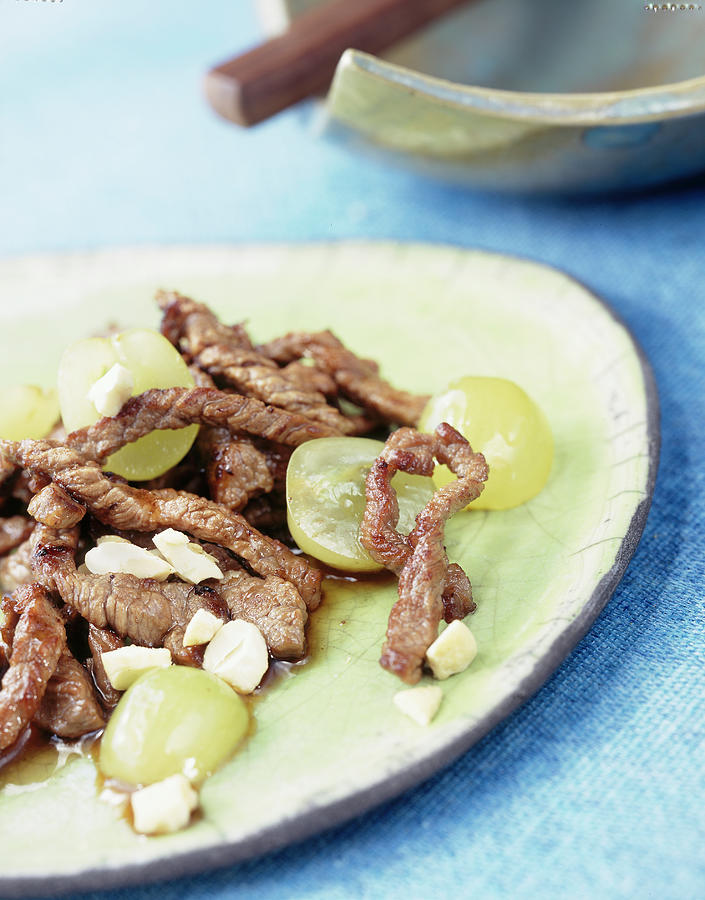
(329, 742)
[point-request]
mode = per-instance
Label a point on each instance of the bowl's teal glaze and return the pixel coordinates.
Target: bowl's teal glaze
(510, 95)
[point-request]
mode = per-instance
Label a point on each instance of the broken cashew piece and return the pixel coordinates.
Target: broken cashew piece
(452, 651)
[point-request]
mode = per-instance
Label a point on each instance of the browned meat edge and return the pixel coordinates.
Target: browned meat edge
(69, 707)
(53, 507)
(412, 452)
(356, 378)
(13, 531)
(127, 508)
(414, 619)
(225, 353)
(38, 640)
(102, 640)
(149, 612)
(178, 407)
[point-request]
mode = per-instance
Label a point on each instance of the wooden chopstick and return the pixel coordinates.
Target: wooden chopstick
(284, 70)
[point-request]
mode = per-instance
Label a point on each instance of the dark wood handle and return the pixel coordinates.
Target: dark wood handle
(284, 70)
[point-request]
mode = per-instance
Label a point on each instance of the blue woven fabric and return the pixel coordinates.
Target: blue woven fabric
(595, 787)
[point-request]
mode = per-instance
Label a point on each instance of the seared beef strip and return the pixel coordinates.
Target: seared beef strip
(192, 327)
(9, 618)
(177, 407)
(54, 542)
(308, 376)
(268, 513)
(226, 561)
(412, 452)
(102, 640)
(184, 476)
(200, 377)
(127, 508)
(225, 355)
(150, 613)
(53, 507)
(273, 605)
(185, 600)
(210, 522)
(38, 640)
(69, 707)
(256, 376)
(236, 471)
(13, 531)
(414, 619)
(26, 484)
(356, 378)
(16, 567)
(7, 470)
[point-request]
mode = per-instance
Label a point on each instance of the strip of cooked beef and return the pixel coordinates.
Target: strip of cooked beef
(225, 559)
(185, 600)
(256, 376)
(412, 452)
(210, 522)
(69, 707)
(277, 458)
(268, 514)
(357, 378)
(191, 326)
(16, 567)
(273, 605)
(49, 542)
(177, 407)
(225, 355)
(184, 476)
(38, 640)
(14, 530)
(127, 508)
(414, 619)
(148, 612)
(53, 507)
(102, 640)
(7, 470)
(308, 376)
(200, 377)
(236, 471)
(25, 485)
(8, 621)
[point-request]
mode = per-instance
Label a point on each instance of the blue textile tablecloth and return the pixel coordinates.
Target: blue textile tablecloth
(595, 787)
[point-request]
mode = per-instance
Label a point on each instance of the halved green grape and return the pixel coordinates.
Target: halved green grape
(172, 720)
(325, 499)
(153, 363)
(503, 422)
(27, 411)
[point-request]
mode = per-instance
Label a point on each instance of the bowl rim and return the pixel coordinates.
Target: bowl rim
(605, 108)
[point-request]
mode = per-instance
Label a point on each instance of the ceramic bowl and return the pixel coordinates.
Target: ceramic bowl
(540, 96)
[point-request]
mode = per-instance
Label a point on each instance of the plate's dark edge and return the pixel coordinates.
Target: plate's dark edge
(319, 819)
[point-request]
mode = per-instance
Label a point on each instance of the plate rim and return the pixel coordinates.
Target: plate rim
(291, 831)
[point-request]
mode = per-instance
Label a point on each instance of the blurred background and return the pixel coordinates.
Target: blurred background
(106, 139)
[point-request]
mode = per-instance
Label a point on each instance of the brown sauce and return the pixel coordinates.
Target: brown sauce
(36, 756)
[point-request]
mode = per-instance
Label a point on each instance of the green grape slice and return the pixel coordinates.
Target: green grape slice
(153, 363)
(173, 720)
(325, 497)
(503, 422)
(27, 411)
